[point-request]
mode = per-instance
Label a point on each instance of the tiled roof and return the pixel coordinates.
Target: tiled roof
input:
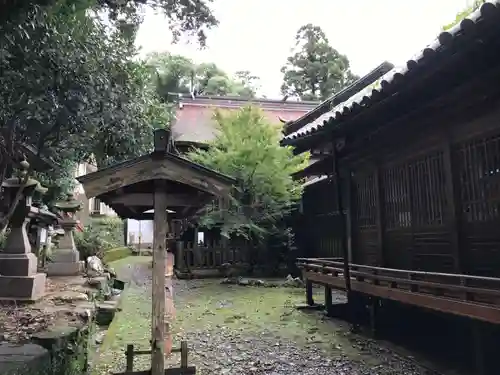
(314, 180)
(391, 81)
(338, 98)
(194, 121)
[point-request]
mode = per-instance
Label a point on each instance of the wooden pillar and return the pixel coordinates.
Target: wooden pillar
(309, 293)
(125, 232)
(158, 298)
(340, 208)
(379, 194)
(223, 239)
(453, 198)
(196, 249)
(479, 349)
(350, 216)
(180, 264)
(328, 300)
(373, 311)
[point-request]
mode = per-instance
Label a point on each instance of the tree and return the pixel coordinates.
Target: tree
(476, 4)
(171, 74)
(245, 84)
(247, 148)
(315, 70)
(175, 74)
(70, 88)
(185, 16)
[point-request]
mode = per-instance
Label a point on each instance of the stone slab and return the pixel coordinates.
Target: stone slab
(22, 288)
(23, 359)
(65, 256)
(18, 264)
(64, 269)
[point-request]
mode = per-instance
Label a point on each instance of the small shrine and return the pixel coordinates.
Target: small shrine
(174, 187)
(19, 277)
(65, 259)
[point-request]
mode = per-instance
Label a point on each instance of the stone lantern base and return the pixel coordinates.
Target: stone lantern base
(65, 262)
(19, 279)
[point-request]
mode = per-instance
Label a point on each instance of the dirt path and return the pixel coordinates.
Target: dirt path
(245, 330)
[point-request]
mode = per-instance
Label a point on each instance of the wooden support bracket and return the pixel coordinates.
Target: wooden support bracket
(130, 353)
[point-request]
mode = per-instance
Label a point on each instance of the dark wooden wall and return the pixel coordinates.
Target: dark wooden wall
(431, 201)
(319, 231)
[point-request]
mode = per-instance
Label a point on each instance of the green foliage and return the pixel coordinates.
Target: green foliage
(99, 236)
(3, 239)
(91, 243)
(316, 70)
(59, 181)
(464, 13)
(193, 17)
(175, 74)
(111, 229)
(70, 87)
(247, 148)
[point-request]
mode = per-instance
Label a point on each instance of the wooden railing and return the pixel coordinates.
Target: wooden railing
(407, 285)
(214, 256)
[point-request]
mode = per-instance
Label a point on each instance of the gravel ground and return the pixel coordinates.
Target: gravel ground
(246, 330)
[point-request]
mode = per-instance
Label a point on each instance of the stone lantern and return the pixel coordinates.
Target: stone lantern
(65, 260)
(41, 224)
(19, 279)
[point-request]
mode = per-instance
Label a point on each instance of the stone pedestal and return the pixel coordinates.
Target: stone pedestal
(19, 279)
(65, 261)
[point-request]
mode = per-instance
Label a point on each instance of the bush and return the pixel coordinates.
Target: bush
(90, 242)
(111, 229)
(99, 236)
(3, 239)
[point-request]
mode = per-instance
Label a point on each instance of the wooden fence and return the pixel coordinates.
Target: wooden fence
(211, 256)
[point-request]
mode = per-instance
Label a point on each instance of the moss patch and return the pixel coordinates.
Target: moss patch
(206, 305)
(132, 325)
(253, 310)
(115, 254)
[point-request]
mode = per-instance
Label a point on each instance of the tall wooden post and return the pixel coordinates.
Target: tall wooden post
(158, 297)
(380, 216)
(454, 217)
(340, 208)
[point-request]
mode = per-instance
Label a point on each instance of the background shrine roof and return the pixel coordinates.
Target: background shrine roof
(394, 80)
(194, 121)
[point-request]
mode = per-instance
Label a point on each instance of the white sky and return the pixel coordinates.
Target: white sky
(257, 35)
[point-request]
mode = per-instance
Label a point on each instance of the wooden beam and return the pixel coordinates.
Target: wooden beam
(147, 168)
(158, 296)
(147, 200)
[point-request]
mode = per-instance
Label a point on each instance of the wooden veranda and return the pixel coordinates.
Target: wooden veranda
(160, 181)
(464, 295)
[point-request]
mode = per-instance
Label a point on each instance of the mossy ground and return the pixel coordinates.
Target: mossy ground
(207, 305)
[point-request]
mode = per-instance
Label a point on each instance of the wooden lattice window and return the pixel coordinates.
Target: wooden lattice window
(396, 197)
(427, 190)
(414, 193)
(366, 200)
(478, 164)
